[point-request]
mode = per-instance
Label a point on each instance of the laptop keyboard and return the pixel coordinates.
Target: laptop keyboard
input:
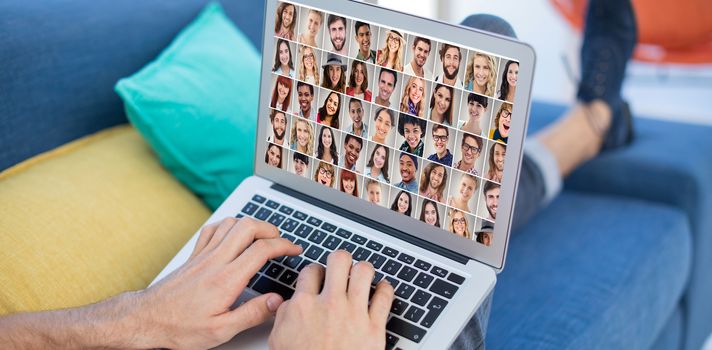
(422, 290)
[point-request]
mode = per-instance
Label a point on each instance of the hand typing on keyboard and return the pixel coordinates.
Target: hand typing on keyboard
(191, 307)
(337, 316)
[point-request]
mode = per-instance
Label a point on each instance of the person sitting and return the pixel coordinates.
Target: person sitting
(600, 121)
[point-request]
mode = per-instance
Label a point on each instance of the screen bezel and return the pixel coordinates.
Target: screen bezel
(493, 255)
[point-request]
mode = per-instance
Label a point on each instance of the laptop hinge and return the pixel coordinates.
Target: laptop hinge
(462, 259)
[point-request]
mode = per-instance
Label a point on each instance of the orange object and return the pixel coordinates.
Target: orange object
(669, 31)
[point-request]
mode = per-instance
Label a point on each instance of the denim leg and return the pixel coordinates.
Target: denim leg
(539, 182)
(472, 337)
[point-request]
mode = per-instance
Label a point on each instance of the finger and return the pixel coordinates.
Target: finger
(254, 312)
(251, 260)
(338, 266)
(360, 283)
(310, 279)
(206, 233)
(381, 303)
(243, 234)
(224, 227)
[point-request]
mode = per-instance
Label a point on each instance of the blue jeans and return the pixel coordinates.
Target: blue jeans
(540, 180)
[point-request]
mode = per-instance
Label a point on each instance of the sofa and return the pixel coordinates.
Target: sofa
(622, 259)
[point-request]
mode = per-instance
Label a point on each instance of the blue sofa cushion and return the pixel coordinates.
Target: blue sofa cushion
(59, 63)
(591, 272)
(668, 163)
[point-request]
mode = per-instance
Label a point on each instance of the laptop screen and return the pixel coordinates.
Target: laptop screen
(408, 122)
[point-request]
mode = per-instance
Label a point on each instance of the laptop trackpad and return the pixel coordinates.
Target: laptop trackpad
(254, 338)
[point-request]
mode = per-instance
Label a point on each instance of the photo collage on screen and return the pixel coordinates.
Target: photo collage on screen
(409, 123)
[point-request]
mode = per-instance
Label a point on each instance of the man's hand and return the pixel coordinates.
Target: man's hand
(190, 308)
(338, 317)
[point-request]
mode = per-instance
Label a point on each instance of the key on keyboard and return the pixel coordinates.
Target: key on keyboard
(406, 258)
(303, 231)
(317, 237)
(377, 260)
(299, 215)
(358, 239)
(407, 273)
(414, 313)
(266, 285)
(423, 280)
(390, 252)
(361, 254)
(289, 225)
(392, 267)
(405, 329)
(276, 219)
(263, 214)
(435, 308)
(398, 306)
(331, 242)
(249, 208)
(328, 227)
(286, 210)
(314, 221)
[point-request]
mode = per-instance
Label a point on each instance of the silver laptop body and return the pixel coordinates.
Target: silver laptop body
(432, 247)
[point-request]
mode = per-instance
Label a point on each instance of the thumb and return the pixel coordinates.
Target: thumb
(254, 312)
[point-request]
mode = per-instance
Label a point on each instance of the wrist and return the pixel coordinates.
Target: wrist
(120, 322)
(136, 320)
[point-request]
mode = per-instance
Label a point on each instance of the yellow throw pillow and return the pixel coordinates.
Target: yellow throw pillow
(89, 220)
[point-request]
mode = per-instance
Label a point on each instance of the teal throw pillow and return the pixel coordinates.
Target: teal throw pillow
(196, 105)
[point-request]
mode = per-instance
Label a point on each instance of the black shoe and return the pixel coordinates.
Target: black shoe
(609, 38)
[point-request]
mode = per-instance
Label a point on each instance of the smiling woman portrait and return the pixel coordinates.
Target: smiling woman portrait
(283, 62)
(348, 183)
(282, 93)
(441, 104)
(273, 155)
(508, 86)
(328, 113)
(403, 203)
(393, 51)
(480, 74)
(413, 101)
(308, 70)
(358, 81)
(457, 223)
(302, 137)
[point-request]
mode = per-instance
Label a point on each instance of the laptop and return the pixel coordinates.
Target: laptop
(392, 137)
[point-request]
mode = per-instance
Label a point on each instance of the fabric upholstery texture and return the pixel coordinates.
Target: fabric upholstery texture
(668, 163)
(60, 61)
(196, 105)
(606, 277)
(671, 337)
(89, 220)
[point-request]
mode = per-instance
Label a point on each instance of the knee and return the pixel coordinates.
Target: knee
(490, 23)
